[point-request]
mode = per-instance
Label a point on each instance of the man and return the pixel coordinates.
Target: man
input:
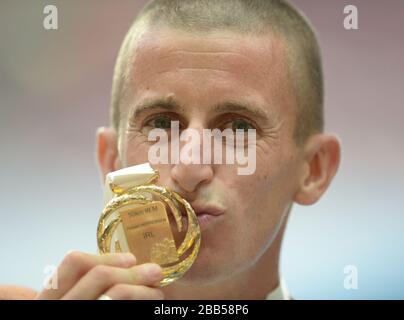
(234, 64)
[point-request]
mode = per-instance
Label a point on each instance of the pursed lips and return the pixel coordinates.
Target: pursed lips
(206, 214)
(211, 210)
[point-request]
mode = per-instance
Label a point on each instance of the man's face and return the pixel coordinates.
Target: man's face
(192, 74)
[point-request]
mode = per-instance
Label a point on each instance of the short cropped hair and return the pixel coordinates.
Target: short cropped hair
(249, 17)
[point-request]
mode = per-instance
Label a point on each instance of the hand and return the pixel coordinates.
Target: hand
(83, 276)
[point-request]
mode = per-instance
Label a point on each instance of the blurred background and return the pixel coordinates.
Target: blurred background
(55, 92)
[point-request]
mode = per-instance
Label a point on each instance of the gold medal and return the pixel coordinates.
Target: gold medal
(148, 220)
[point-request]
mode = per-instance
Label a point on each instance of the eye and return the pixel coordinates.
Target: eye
(239, 124)
(160, 122)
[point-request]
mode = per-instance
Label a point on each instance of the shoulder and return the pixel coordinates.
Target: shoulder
(16, 293)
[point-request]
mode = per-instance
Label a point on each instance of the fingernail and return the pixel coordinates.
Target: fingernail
(128, 259)
(155, 271)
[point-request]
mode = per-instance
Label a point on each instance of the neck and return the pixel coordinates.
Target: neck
(253, 283)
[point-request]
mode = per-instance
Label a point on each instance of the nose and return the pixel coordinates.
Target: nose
(189, 175)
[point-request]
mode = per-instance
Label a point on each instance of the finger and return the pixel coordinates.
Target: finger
(99, 279)
(130, 292)
(76, 264)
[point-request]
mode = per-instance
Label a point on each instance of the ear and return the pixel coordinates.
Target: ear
(107, 151)
(321, 158)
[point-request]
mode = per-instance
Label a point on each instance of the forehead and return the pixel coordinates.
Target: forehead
(214, 65)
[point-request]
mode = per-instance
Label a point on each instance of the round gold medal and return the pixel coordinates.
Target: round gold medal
(152, 222)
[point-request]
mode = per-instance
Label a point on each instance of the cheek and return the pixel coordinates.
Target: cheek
(136, 149)
(249, 191)
(252, 218)
(260, 201)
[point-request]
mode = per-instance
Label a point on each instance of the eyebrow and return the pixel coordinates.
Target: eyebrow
(168, 104)
(222, 107)
(247, 108)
